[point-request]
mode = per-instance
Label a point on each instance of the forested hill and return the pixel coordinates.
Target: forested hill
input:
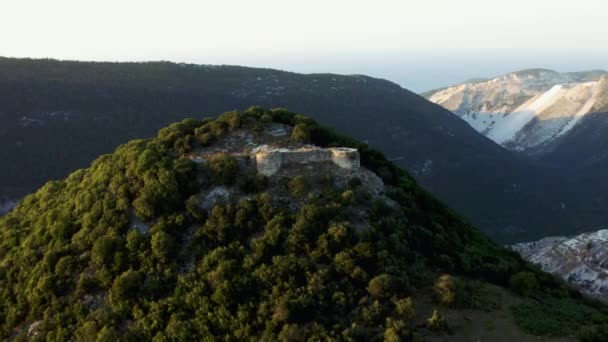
(57, 116)
(179, 238)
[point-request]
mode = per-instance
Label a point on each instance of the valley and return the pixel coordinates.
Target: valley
(558, 119)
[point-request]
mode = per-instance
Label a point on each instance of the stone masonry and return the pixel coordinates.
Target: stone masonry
(269, 161)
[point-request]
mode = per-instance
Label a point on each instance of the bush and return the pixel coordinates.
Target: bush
(103, 251)
(524, 283)
(125, 289)
(437, 322)
(381, 285)
(445, 289)
(404, 307)
(222, 168)
(301, 133)
(298, 186)
(397, 331)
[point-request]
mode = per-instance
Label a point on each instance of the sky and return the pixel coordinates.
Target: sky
(420, 44)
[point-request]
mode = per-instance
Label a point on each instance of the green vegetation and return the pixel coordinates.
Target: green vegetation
(550, 315)
(524, 283)
(437, 322)
(73, 261)
(464, 293)
(298, 186)
(223, 168)
(301, 133)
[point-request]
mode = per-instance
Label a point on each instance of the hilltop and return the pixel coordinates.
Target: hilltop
(181, 237)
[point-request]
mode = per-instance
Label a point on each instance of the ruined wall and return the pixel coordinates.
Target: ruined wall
(346, 158)
(270, 162)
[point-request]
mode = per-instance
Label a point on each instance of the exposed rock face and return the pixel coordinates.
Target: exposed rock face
(528, 108)
(581, 260)
(215, 196)
(269, 160)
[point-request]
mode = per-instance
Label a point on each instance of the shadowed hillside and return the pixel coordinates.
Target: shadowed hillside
(57, 116)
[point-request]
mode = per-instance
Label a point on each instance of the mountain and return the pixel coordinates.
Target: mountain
(527, 109)
(263, 225)
(57, 116)
(560, 120)
(581, 260)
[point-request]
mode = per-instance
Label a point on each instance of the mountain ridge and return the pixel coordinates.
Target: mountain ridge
(529, 108)
(104, 104)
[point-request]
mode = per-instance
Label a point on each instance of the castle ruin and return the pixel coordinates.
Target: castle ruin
(269, 161)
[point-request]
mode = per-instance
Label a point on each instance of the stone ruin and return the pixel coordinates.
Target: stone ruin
(270, 160)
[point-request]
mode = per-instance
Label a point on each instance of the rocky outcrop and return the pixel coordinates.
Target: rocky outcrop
(581, 260)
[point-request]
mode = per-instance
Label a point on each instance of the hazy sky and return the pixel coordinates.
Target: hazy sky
(419, 44)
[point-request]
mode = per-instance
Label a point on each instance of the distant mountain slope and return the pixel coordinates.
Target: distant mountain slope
(529, 108)
(181, 238)
(57, 116)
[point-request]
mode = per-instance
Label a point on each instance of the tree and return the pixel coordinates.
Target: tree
(381, 285)
(125, 289)
(298, 186)
(301, 133)
(163, 245)
(222, 168)
(103, 251)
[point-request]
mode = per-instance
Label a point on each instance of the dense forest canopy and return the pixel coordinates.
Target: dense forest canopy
(123, 250)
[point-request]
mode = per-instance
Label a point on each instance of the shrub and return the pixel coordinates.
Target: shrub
(222, 168)
(524, 283)
(298, 186)
(396, 331)
(103, 251)
(108, 334)
(125, 288)
(193, 208)
(301, 133)
(380, 285)
(445, 289)
(437, 322)
(404, 307)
